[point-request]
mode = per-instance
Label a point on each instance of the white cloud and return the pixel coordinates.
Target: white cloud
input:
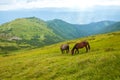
(75, 4)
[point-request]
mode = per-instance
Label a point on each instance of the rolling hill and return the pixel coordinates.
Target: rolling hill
(64, 29)
(34, 28)
(33, 32)
(72, 31)
(47, 63)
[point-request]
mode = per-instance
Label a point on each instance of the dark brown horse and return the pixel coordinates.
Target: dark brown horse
(64, 47)
(82, 44)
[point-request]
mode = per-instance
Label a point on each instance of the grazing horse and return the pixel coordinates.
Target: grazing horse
(64, 47)
(82, 44)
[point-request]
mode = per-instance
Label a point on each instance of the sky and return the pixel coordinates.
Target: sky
(72, 11)
(72, 4)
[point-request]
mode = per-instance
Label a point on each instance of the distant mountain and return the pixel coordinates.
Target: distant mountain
(111, 28)
(95, 27)
(36, 32)
(31, 31)
(71, 31)
(64, 29)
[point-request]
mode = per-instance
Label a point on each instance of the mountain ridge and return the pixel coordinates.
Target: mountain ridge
(31, 30)
(35, 32)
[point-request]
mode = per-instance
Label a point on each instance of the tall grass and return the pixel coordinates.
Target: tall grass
(47, 63)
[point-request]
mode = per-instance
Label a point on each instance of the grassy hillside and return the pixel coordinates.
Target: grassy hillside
(33, 32)
(47, 63)
(64, 29)
(72, 31)
(26, 32)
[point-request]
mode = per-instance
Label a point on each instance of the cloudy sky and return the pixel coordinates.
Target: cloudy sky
(72, 4)
(72, 11)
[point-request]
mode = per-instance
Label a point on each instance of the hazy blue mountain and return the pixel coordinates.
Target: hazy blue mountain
(70, 31)
(95, 27)
(111, 28)
(64, 29)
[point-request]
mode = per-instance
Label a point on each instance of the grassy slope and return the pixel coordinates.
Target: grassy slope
(33, 32)
(47, 63)
(30, 30)
(65, 29)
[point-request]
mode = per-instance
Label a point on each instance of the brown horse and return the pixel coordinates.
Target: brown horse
(64, 47)
(82, 44)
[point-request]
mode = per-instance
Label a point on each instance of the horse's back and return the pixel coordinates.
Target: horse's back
(64, 46)
(81, 44)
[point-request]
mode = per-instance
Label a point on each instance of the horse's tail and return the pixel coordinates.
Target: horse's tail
(88, 45)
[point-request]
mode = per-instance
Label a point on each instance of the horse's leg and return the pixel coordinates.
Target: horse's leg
(61, 51)
(86, 48)
(77, 50)
(67, 50)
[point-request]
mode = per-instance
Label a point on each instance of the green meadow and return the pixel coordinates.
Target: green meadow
(47, 63)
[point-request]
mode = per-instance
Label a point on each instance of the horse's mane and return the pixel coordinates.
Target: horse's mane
(74, 46)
